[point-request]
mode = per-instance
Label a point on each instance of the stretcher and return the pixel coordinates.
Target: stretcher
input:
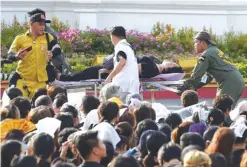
(160, 82)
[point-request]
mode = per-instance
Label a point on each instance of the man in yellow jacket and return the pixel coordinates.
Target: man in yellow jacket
(31, 49)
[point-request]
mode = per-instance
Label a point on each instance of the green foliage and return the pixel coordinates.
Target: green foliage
(59, 26)
(242, 68)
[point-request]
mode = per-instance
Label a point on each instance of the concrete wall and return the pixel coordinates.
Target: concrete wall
(220, 15)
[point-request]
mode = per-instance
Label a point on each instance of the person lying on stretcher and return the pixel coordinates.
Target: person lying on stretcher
(148, 67)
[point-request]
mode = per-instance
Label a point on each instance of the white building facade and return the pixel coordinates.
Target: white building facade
(220, 15)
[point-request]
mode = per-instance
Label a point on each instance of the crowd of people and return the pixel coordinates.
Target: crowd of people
(47, 131)
(40, 127)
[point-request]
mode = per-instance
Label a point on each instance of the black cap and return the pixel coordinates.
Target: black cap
(38, 18)
(36, 11)
(119, 31)
(204, 36)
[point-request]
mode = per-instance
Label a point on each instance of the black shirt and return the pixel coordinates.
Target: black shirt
(91, 164)
(236, 157)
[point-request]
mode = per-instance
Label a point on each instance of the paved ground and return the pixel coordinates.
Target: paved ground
(175, 104)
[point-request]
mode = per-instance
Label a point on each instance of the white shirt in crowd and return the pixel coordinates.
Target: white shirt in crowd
(128, 77)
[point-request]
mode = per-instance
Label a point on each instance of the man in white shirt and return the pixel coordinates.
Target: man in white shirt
(125, 73)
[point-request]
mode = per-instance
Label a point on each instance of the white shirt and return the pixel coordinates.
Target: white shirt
(106, 132)
(128, 77)
(91, 119)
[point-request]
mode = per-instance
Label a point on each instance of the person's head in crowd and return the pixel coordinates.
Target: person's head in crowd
(244, 159)
(142, 114)
(109, 154)
(89, 103)
(196, 159)
(13, 92)
(199, 128)
(23, 161)
(222, 142)
(189, 98)
(173, 120)
(241, 109)
(66, 108)
(58, 102)
(169, 152)
(66, 120)
(63, 164)
(37, 93)
(145, 125)
(179, 131)
(191, 138)
(147, 104)
(52, 91)
(190, 148)
(28, 141)
(135, 104)
(122, 146)
(39, 113)
(23, 104)
(125, 129)
(109, 111)
(153, 114)
(223, 102)
(154, 142)
(15, 135)
(209, 133)
(124, 161)
(9, 150)
(90, 147)
(133, 96)
(116, 100)
(10, 112)
(166, 129)
(128, 117)
(108, 91)
(215, 117)
(142, 146)
(218, 160)
(43, 100)
(43, 148)
(117, 34)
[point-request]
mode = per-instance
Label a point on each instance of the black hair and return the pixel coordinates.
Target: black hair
(27, 137)
(89, 103)
(36, 11)
(13, 93)
(154, 142)
(143, 113)
(145, 125)
(189, 97)
(66, 120)
(60, 162)
(124, 129)
(173, 120)
(64, 134)
(190, 148)
(43, 100)
(39, 92)
(123, 142)
(124, 161)
(24, 161)
(223, 102)
(166, 129)
(15, 135)
(43, 148)
(108, 111)
(23, 104)
(168, 152)
(191, 138)
(59, 100)
(8, 150)
(13, 112)
(218, 160)
(85, 143)
(67, 108)
(241, 140)
(109, 154)
(215, 117)
(209, 133)
(119, 32)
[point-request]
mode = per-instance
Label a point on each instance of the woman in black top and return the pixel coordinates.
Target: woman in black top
(148, 67)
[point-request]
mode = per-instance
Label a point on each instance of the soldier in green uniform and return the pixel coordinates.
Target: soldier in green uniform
(214, 64)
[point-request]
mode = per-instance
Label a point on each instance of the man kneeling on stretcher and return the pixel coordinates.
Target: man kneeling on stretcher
(148, 67)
